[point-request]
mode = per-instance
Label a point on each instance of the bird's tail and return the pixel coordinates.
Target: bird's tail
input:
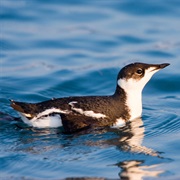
(26, 109)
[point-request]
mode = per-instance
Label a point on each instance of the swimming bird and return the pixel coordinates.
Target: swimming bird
(76, 113)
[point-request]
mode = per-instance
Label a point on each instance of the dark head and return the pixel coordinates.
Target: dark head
(135, 76)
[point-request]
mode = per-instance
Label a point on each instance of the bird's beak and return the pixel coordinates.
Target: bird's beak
(157, 67)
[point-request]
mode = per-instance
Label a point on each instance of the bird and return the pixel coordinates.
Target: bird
(75, 113)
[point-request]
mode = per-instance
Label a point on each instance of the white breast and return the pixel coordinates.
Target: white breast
(134, 103)
(133, 97)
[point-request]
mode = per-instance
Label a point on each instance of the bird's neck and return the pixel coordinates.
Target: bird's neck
(133, 90)
(134, 103)
(133, 100)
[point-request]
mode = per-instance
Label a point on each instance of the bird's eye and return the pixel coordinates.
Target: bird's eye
(139, 71)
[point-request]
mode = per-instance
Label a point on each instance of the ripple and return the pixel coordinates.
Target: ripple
(147, 9)
(15, 15)
(164, 83)
(170, 124)
(158, 53)
(7, 45)
(64, 48)
(132, 39)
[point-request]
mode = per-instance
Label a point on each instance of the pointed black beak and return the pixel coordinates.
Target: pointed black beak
(160, 66)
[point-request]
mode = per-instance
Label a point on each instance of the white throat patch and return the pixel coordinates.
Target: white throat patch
(133, 89)
(134, 97)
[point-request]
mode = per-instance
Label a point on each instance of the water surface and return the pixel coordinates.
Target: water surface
(70, 48)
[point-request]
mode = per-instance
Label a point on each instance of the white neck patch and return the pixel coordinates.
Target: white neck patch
(133, 89)
(134, 97)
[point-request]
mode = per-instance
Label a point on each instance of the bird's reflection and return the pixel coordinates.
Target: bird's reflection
(130, 138)
(132, 141)
(134, 170)
(126, 139)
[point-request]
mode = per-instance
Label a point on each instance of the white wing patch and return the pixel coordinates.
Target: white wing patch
(86, 113)
(119, 123)
(44, 119)
(52, 110)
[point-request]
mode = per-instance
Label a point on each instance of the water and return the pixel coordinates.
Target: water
(62, 48)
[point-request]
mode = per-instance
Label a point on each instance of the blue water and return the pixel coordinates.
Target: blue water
(69, 48)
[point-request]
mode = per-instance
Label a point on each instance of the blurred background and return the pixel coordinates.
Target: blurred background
(55, 48)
